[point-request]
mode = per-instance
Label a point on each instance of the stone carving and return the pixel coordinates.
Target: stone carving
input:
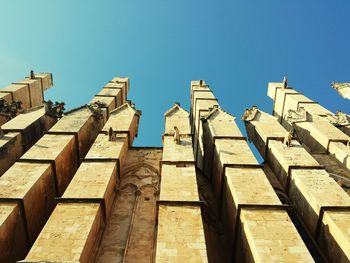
(176, 135)
(111, 135)
(288, 139)
(249, 113)
(296, 116)
(96, 109)
(285, 82)
(338, 86)
(32, 75)
(10, 109)
(54, 110)
(340, 119)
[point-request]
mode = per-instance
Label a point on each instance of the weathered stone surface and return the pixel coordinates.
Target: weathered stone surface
(178, 117)
(19, 92)
(181, 152)
(36, 91)
(270, 236)
(58, 148)
(70, 234)
(186, 242)
(108, 101)
(11, 149)
(122, 95)
(110, 92)
(178, 183)
(33, 184)
(13, 245)
(94, 180)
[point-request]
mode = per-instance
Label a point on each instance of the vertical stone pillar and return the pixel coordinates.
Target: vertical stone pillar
(179, 209)
(318, 199)
(44, 173)
(202, 100)
(257, 225)
(87, 201)
(315, 126)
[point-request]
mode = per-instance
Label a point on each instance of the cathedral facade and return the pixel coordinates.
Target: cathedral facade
(73, 188)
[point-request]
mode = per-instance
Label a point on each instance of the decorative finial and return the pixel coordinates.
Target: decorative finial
(32, 75)
(285, 82)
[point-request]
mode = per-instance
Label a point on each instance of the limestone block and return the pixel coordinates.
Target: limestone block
(173, 152)
(199, 94)
(19, 92)
(270, 236)
(282, 158)
(178, 183)
(35, 91)
(279, 105)
(103, 148)
(109, 101)
(335, 236)
(312, 189)
(178, 117)
(84, 124)
(60, 149)
(13, 245)
(292, 102)
(94, 180)
(122, 95)
(186, 243)
(244, 186)
(6, 96)
(10, 150)
(32, 125)
(272, 87)
(46, 80)
(340, 152)
(208, 149)
(110, 92)
(125, 81)
(223, 124)
(33, 183)
(314, 108)
(70, 234)
(123, 120)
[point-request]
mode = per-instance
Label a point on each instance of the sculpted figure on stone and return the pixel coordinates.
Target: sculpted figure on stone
(296, 116)
(249, 113)
(176, 135)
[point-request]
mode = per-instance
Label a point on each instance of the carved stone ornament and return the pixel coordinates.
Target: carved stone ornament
(342, 88)
(54, 110)
(10, 109)
(340, 119)
(95, 109)
(249, 114)
(296, 116)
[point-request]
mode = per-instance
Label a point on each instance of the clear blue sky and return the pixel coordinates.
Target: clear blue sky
(237, 47)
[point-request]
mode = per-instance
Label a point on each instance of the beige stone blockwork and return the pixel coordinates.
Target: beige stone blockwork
(102, 148)
(341, 152)
(83, 124)
(94, 180)
(13, 244)
(46, 80)
(335, 236)
(178, 117)
(312, 189)
(178, 183)
(60, 149)
(229, 151)
(10, 150)
(222, 124)
(279, 105)
(35, 91)
(23, 120)
(180, 235)
(109, 101)
(70, 234)
(314, 108)
(272, 87)
(123, 93)
(173, 152)
(111, 92)
(123, 120)
(270, 236)
(282, 158)
(244, 186)
(126, 82)
(200, 94)
(19, 92)
(33, 184)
